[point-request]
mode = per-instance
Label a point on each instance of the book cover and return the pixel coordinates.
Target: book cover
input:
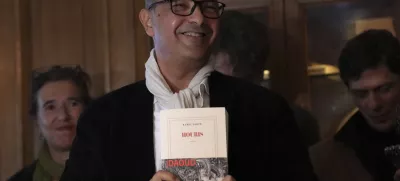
(194, 143)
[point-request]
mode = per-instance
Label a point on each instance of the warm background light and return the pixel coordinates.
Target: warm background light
(375, 23)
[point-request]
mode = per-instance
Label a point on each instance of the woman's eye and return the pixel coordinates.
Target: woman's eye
(49, 107)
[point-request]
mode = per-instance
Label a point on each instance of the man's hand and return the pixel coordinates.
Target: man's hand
(230, 178)
(397, 175)
(164, 176)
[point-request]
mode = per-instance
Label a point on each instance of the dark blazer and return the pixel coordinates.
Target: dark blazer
(335, 161)
(356, 152)
(115, 135)
(26, 174)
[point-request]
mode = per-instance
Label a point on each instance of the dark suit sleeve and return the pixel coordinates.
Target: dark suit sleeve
(87, 161)
(25, 174)
(287, 154)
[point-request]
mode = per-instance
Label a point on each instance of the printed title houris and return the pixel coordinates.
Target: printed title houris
(192, 134)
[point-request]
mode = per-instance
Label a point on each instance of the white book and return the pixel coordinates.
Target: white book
(194, 143)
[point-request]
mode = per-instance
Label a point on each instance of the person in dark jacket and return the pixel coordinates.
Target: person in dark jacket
(118, 136)
(241, 47)
(59, 95)
(370, 67)
(242, 52)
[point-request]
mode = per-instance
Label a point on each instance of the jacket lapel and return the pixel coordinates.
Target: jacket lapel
(140, 132)
(221, 91)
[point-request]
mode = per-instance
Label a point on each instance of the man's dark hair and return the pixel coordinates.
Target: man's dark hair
(244, 39)
(369, 50)
(58, 73)
(148, 3)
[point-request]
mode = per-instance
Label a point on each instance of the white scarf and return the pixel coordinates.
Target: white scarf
(191, 97)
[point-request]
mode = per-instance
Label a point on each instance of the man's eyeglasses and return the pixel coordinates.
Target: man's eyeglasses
(209, 9)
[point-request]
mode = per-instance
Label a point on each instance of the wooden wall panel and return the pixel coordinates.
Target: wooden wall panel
(122, 47)
(14, 61)
(96, 44)
(310, 2)
(248, 4)
(104, 36)
(288, 58)
(116, 46)
(10, 126)
(276, 28)
(57, 32)
(276, 25)
(296, 51)
(23, 68)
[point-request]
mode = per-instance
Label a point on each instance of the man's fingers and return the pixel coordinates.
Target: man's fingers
(164, 176)
(228, 178)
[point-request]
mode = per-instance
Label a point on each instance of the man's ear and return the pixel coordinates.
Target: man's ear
(145, 19)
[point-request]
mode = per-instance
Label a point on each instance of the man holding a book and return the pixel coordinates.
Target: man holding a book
(121, 136)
